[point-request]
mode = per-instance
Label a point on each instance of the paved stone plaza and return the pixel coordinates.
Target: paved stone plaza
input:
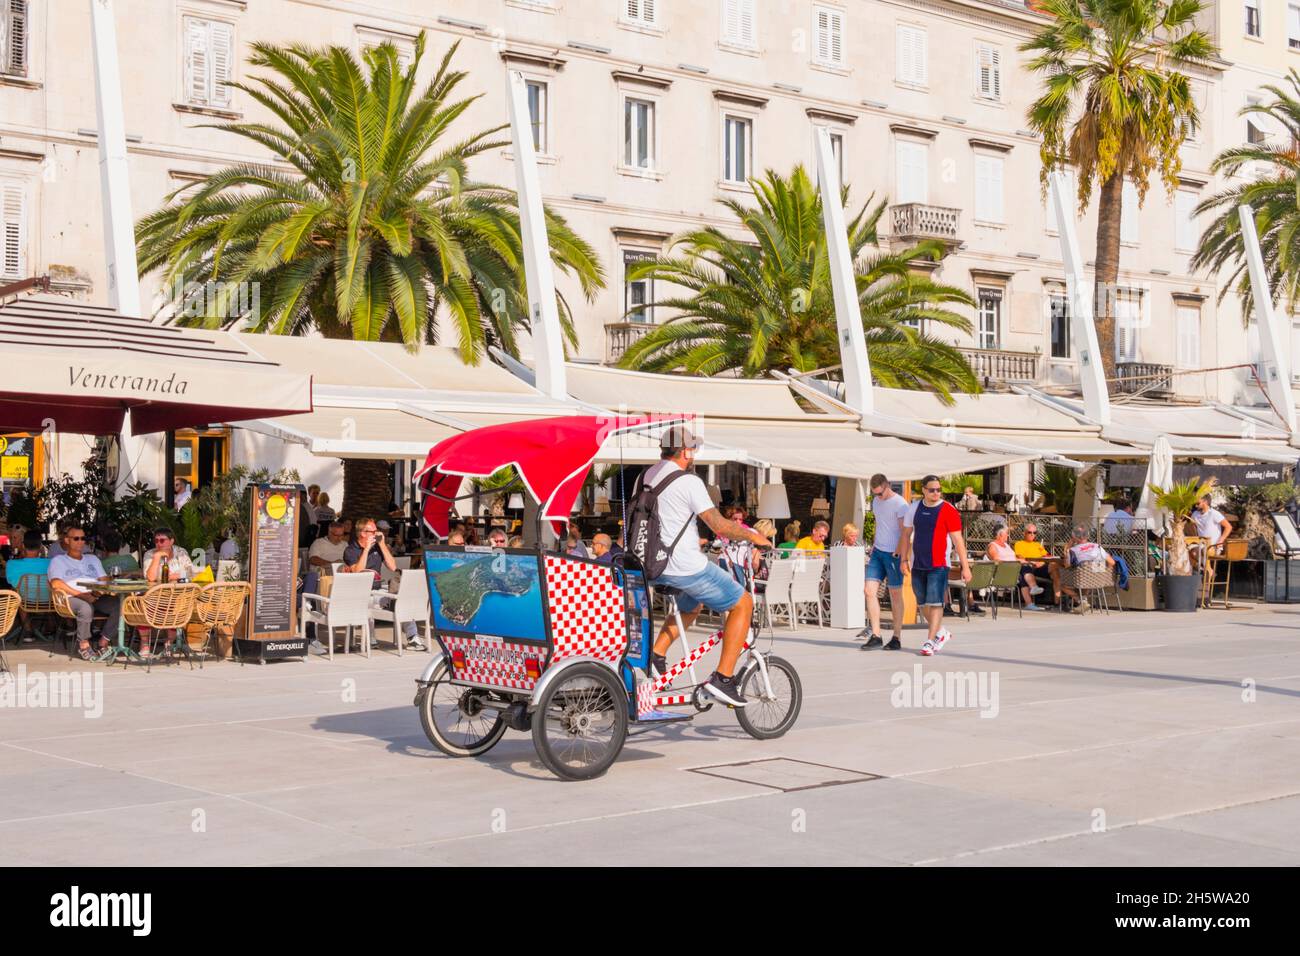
(1133, 739)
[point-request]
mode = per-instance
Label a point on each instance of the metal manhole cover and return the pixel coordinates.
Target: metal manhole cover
(785, 774)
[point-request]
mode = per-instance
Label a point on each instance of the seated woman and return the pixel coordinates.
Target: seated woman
(1000, 549)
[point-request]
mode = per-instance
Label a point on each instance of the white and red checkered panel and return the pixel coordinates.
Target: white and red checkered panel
(586, 607)
(493, 663)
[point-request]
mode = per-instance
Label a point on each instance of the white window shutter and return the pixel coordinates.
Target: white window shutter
(748, 34)
(731, 21)
(837, 37)
(13, 38)
(196, 61)
(1189, 337)
(824, 43)
(988, 188)
(223, 55)
(913, 172)
(648, 11)
(911, 55)
(1186, 235)
(988, 72)
(13, 230)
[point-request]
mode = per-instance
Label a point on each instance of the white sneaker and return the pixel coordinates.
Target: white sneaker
(927, 649)
(1035, 591)
(941, 639)
(415, 644)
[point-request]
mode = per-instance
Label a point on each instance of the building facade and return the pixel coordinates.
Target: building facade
(647, 113)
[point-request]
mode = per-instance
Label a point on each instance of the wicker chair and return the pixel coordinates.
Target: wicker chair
(123, 562)
(68, 621)
(164, 607)
(216, 606)
(1087, 581)
(10, 601)
(34, 589)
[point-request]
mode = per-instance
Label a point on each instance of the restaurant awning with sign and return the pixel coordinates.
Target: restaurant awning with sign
(1228, 475)
(78, 368)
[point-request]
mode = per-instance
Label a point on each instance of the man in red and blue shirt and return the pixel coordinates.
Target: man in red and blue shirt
(931, 529)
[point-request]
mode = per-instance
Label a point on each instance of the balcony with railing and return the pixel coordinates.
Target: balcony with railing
(994, 367)
(1147, 378)
(916, 220)
(620, 336)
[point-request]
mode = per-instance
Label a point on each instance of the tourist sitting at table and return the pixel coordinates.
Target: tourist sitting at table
(369, 552)
(1000, 549)
(789, 538)
(324, 513)
(497, 538)
(326, 552)
(516, 541)
(816, 539)
(111, 544)
(55, 547)
(970, 501)
(1119, 521)
(573, 545)
(29, 560)
(1030, 551)
(75, 573)
(179, 565)
(849, 536)
(229, 548)
(1082, 553)
(456, 539)
(602, 546)
(1212, 527)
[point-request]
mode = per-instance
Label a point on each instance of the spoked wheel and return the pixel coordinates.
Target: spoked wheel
(770, 715)
(455, 719)
(581, 722)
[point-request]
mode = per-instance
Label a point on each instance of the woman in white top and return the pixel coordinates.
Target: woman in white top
(1000, 549)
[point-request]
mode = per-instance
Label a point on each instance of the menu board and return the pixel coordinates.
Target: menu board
(273, 560)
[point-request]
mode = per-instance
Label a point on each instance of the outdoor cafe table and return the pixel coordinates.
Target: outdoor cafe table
(121, 589)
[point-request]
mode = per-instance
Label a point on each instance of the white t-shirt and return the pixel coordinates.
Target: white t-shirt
(888, 511)
(229, 550)
(327, 550)
(1209, 524)
(1117, 521)
(681, 500)
(1089, 554)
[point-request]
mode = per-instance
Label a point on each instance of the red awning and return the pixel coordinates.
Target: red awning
(551, 456)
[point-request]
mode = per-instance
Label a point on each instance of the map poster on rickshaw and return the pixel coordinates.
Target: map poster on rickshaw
(638, 618)
(273, 573)
(486, 592)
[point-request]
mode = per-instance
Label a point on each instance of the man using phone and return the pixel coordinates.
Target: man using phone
(369, 552)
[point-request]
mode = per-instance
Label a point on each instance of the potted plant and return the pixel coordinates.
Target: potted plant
(1178, 584)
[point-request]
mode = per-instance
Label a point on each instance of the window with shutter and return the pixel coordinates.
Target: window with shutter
(738, 23)
(912, 66)
(1059, 316)
(989, 318)
(912, 172)
(1128, 321)
(737, 144)
(13, 229)
(638, 133)
(828, 46)
(1189, 336)
(209, 62)
(988, 189)
(1185, 233)
(642, 12)
(1128, 227)
(13, 37)
(988, 72)
(537, 113)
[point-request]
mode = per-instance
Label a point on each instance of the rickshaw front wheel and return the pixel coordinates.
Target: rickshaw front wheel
(770, 712)
(455, 720)
(580, 723)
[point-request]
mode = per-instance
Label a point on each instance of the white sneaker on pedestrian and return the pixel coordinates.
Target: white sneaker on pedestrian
(927, 649)
(941, 639)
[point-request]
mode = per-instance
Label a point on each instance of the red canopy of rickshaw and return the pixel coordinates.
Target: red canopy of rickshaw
(551, 455)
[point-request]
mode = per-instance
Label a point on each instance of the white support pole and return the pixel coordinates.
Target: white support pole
(1274, 346)
(119, 228)
(1083, 328)
(848, 317)
(548, 338)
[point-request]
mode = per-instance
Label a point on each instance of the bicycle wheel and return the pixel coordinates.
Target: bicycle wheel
(454, 718)
(580, 723)
(770, 715)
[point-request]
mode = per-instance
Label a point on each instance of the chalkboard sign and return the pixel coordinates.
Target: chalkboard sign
(273, 561)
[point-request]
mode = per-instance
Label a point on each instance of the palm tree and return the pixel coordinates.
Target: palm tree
(366, 226)
(1272, 196)
(765, 302)
(1179, 499)
(1115, 106)
(1055, 486)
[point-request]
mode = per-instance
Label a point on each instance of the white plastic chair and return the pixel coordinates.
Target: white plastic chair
(386, 576)
(776, 594)
(806, 588)
(347, 606)
(410, 603)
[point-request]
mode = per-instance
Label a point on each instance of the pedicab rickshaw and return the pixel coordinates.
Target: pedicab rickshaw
(539, 641)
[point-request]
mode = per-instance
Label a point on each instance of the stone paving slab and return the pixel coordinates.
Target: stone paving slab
(1142, 717)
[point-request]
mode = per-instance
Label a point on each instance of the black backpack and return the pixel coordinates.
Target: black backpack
(644, 535)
